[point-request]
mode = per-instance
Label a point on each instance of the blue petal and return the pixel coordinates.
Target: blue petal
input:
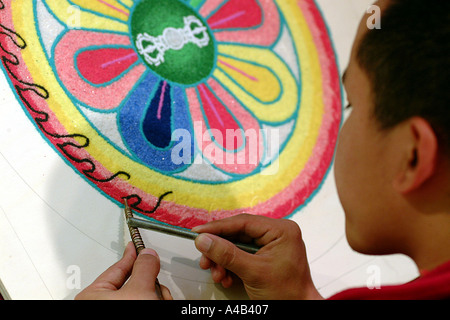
(147, 139)
(157, 122)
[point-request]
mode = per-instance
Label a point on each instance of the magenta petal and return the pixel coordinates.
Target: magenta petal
(237, 14)
(248, 22)
(100, 66)
(219, 118)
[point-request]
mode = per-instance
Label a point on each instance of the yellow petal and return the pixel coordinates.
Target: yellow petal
(128, 3)
(110, 8)
(260, 80)
(91, 14)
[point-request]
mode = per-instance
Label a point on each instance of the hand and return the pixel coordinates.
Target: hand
(279, 270)
(141, 273)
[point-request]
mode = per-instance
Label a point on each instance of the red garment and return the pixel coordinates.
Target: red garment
(433, 285)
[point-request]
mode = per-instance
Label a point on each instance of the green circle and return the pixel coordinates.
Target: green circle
(173, 41)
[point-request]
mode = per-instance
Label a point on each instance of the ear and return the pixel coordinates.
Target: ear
(421, 156)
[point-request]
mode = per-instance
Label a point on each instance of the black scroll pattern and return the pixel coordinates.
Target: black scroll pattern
(76, 140)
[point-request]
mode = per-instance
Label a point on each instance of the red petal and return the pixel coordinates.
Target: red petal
(100, 66)
(219, 118)
(237, 14)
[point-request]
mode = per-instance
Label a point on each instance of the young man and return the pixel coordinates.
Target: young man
(392, 172)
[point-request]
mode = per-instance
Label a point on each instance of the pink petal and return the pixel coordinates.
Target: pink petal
(218, 117)
(209, 6)
(238, 161)
(106, 97)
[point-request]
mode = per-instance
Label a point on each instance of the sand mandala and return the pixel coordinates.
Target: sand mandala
(192, 110)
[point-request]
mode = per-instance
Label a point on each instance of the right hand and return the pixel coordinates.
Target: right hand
(279, 270)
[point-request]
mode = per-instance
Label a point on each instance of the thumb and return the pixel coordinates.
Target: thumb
(224, 253)
(145, 272)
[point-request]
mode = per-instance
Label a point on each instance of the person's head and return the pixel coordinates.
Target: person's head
(393, 154)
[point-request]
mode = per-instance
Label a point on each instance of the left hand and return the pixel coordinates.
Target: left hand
(141, 273)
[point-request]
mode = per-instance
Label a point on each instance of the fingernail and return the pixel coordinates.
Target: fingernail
(150, 252)
(203, 243)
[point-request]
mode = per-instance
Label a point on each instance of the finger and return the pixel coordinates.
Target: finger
(226, 254)
(245, 227)
(218, 273)
(116, 275)
(166, 293)
(205, 263)
(145, 272)
(227, 282)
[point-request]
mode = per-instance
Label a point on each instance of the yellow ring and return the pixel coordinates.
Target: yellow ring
(227, 196)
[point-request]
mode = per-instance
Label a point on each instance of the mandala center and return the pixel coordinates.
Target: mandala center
(173, 41)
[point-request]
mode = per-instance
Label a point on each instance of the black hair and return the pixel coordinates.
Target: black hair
(408, 63)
